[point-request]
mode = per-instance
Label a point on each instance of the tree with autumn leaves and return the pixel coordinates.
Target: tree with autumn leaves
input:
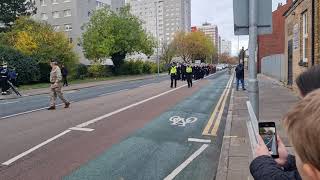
(227, 59)
(39, 41)
(38, 44)
(193, 46)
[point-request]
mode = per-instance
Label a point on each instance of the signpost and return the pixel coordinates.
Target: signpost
(241, 16)
(252, 17)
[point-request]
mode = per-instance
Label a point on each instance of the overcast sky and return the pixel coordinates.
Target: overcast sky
(220, 12)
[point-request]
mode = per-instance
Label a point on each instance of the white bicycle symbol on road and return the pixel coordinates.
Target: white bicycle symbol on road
(179, 121)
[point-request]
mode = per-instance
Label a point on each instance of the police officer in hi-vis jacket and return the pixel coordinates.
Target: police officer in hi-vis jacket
(189, 75)
(173, 73)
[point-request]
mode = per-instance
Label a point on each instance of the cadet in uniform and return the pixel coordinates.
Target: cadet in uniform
(56, 85)
(3, 79)
(183, 72)
(189, 75)
(173, 74)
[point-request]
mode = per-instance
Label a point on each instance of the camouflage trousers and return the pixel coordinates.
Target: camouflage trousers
(56, 92)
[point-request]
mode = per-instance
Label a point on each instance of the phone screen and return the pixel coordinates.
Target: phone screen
(269, 136)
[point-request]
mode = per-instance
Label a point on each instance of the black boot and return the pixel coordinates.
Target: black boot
(52, 108)
(67, 105)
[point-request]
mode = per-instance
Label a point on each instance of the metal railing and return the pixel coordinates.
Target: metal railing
(252, 126)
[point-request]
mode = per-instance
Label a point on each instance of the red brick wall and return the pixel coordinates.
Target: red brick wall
(273, 43)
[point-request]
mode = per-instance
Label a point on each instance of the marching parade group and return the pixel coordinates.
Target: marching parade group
(188, 72)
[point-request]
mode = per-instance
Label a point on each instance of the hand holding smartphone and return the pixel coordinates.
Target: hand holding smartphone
(267, 131)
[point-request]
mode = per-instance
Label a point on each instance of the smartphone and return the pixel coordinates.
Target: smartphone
(267, 131)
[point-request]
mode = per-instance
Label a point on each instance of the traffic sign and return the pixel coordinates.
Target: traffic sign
(241, 17)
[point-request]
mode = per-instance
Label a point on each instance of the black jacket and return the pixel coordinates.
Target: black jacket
(240, 71)
(266, 168)
(64, 72)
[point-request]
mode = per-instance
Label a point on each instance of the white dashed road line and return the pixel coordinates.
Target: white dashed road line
(199, 140)
(82, 126)
(174, 173)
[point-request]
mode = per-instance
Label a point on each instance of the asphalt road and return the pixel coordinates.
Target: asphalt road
(25, 104)
(142, 133)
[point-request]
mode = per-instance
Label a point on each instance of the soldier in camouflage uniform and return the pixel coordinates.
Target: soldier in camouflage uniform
(56, 85)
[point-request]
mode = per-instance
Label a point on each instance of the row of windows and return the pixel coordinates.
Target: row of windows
(57, 14)
(44, 2)
(67, 27)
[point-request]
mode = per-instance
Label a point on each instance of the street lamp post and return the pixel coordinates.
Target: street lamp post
(157, 32)
(253, 88)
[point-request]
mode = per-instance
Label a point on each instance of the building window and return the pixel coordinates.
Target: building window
(43, 3)
(305, 36)
(56, 28)
(56, 14)
(67, 13)
(70, 40)
(55, 2)
(68, 27)
(100, 4)
(44, 16)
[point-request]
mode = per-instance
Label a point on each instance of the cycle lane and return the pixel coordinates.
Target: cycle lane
(154, 151)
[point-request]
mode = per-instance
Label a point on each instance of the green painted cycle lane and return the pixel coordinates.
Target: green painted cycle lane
(162, 145)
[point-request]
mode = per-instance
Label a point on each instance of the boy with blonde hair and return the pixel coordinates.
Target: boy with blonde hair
(303, 128)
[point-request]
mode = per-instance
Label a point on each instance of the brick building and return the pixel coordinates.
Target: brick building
(274, 43)
(301, 38)
(194, 29)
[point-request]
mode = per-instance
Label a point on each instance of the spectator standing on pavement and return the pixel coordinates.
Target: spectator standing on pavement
(173, 74)
(240, 76)
(64, 72)
(56, 86)
(189, 75)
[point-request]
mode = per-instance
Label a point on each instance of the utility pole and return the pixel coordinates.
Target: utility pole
(238, 43)
(253, 88)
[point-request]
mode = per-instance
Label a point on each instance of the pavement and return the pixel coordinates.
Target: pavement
(145, 131)
(236, 153)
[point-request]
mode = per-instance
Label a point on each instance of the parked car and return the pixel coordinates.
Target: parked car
(219, 67)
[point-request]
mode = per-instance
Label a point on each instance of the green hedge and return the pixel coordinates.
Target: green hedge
(98, 70)
(81, 71)
(26, 67)
(136, 67)
(45, 70)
